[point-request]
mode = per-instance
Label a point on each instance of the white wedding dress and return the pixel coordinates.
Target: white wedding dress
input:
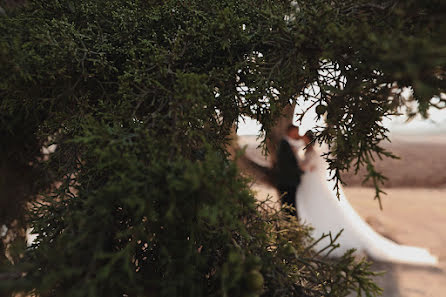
(318, 205)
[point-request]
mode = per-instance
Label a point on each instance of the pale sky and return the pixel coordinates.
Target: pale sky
(436, 124)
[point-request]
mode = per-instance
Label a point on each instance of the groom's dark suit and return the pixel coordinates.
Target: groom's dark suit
(288, 173)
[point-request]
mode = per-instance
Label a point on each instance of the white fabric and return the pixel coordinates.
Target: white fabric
(318, 205)
(297, 146)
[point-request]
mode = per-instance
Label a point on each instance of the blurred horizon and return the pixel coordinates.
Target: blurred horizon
(397, 125)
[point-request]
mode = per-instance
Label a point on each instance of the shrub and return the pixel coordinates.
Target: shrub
(138, 98)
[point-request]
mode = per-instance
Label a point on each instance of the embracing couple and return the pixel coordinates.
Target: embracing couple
(303, 182)
(291, 164)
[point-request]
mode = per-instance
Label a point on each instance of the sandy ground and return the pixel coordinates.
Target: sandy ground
(409, 216)
(422, 163)
(414, 209)
(414, 217)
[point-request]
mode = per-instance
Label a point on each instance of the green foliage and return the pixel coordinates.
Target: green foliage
(139, 99)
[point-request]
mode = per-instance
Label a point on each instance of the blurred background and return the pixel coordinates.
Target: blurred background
(414, 209)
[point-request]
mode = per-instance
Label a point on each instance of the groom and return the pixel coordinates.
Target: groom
(288, 172)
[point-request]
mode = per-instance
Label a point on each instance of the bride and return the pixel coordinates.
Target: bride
(319, 206)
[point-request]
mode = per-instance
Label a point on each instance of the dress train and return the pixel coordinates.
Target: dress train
(318, 205)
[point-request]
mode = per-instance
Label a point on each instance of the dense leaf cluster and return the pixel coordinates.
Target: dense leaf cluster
(134, 102)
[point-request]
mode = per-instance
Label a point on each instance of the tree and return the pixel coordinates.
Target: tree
(139, 197)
